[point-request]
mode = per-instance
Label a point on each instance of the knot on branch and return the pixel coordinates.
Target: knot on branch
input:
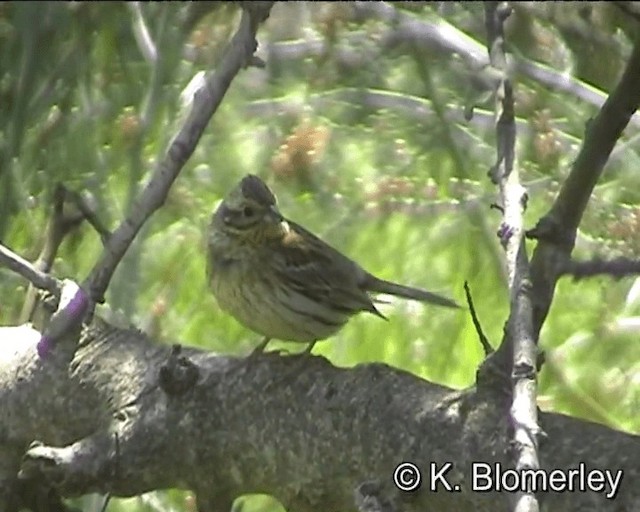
(42, 463)
(523, 370)
(548, 229)
(504, 233)
(259, 11)
(178, 375)
(503, 11)
(256, 62)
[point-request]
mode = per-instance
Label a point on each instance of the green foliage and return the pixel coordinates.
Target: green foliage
(353, 139)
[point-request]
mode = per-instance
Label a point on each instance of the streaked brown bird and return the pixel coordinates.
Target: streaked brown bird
(280, 280)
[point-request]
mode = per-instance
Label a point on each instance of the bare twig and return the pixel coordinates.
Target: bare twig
(616, 268)
(486, 346)
(61, 222)
(519, 342)
(141, 33)
(18, 264)
(72, 306)
(441, 35)
(236, 56)
(85, 204)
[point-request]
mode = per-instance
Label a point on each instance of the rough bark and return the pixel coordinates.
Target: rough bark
(125, 415)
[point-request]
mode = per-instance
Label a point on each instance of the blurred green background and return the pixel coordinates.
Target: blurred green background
(360, 130)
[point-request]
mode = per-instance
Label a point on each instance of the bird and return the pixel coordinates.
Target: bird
(280, 280)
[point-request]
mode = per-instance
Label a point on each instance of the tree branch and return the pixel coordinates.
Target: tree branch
(313, 440)
(18, 264)
(439, 34)
(237, 55)
(616, 268)
(518, 348)
(556, 231)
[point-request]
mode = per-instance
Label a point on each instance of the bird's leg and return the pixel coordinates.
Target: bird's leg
(260, 348)
(307, 351)
(296, 366)
(255, 354)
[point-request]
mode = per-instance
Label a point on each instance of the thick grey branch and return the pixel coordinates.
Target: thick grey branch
(312, 435)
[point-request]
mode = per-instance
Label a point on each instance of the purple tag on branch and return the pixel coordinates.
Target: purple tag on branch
(45, 346)
(73, 305)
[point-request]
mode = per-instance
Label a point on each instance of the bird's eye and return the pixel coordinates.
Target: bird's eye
(248, 211)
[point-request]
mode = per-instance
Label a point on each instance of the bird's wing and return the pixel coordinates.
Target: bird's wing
(314, 268)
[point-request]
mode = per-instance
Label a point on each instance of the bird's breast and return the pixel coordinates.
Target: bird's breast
(247, 287)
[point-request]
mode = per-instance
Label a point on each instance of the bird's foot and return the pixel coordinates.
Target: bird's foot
(296, 366)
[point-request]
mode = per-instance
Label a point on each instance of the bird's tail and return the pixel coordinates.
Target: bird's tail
(377, 285)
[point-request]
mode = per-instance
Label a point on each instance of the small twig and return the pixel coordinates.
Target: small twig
(63, 220)
(141, 33)
(18, 264)
(87, 207)
(486, 346)
(439, 34)
(73, 300)
(616, 268)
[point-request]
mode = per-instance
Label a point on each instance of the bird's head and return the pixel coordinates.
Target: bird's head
(249, 211)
